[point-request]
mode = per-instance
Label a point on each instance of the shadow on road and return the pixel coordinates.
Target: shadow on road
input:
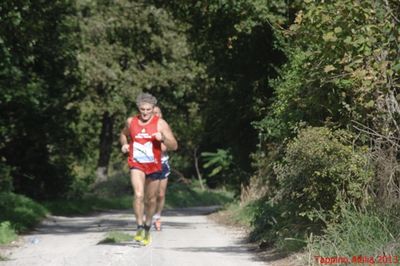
(121, 220)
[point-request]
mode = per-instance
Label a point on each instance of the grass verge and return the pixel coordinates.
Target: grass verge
(178, 195)
(7, 233)
(17, 214)
(116, 237)
(22, 212)
(87, 204)
(268, 226)
(372, 235)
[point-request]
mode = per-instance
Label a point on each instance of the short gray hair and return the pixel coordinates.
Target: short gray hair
(146, 98)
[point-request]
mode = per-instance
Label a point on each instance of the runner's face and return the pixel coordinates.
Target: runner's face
(157, 112)
(146, 111)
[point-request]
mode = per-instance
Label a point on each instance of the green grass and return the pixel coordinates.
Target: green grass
(241, 214)
(116, 237)
(268, 225)
(366, 233)
(7, 233)
(88, 204)
(180, 195)
(22, 212)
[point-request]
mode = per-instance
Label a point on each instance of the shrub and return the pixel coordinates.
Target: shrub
(320, 170)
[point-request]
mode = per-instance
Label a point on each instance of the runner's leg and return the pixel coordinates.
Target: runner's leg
(151, 190)
(160, 203)
(138, 181)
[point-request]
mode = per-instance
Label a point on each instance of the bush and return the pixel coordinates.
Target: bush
(273, 225)
(22, 212)
(320, 170)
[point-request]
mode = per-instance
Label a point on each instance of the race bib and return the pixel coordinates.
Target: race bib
(143, 153)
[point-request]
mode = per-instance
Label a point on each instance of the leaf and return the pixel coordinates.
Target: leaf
(329, 37)
(215, 171)
(329, 68)
(396, 68)
(370, 104)
(338, 30)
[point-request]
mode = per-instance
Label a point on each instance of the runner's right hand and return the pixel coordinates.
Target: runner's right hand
(125, 148)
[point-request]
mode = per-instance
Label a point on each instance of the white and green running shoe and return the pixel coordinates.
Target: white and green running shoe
(140, 234)
(146, 239)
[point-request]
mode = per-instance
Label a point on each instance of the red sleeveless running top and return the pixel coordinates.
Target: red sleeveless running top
(144, 149)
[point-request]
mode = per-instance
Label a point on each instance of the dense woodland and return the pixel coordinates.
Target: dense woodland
(294, 105)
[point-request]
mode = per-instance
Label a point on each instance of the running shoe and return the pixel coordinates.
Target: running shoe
(139, 235)
(147, 239)
(157, 224)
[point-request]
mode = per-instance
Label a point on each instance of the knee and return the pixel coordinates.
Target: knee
(139, 197)
(151, 199)
(161, 195)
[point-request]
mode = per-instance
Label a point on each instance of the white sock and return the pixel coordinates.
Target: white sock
(157, 216)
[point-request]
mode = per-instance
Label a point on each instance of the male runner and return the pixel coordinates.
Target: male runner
(145, 132)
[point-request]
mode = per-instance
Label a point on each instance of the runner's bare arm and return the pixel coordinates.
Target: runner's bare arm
(123, 137)
(167, 137)
(163, 147)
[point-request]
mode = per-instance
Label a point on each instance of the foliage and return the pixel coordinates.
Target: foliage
(22, 212)
(38, 78)
(129, 47)
(234, 40)
(87, 204)
(221, 160)
(5, 176)
(341, 55)
(274, 226)
(320, 170)
(371, 233)
(7, 233)
(179, 195)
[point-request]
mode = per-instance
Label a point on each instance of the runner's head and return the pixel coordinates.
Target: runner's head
(145, 103)
(157, 111)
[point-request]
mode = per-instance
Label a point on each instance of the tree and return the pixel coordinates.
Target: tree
(236, 43)
(343, 71)
(128, 47)
(38, 79)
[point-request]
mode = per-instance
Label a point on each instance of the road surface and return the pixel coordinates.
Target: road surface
(188, 238)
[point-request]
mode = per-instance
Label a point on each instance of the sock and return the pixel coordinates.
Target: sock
(146, 228)
(157, 216)
(139, 227)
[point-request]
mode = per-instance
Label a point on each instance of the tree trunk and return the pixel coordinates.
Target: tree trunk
(196, 164)
(106, 140)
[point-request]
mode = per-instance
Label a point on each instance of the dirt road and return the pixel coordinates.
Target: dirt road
(188, 238)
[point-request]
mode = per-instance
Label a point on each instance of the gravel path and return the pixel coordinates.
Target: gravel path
(188, 238)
